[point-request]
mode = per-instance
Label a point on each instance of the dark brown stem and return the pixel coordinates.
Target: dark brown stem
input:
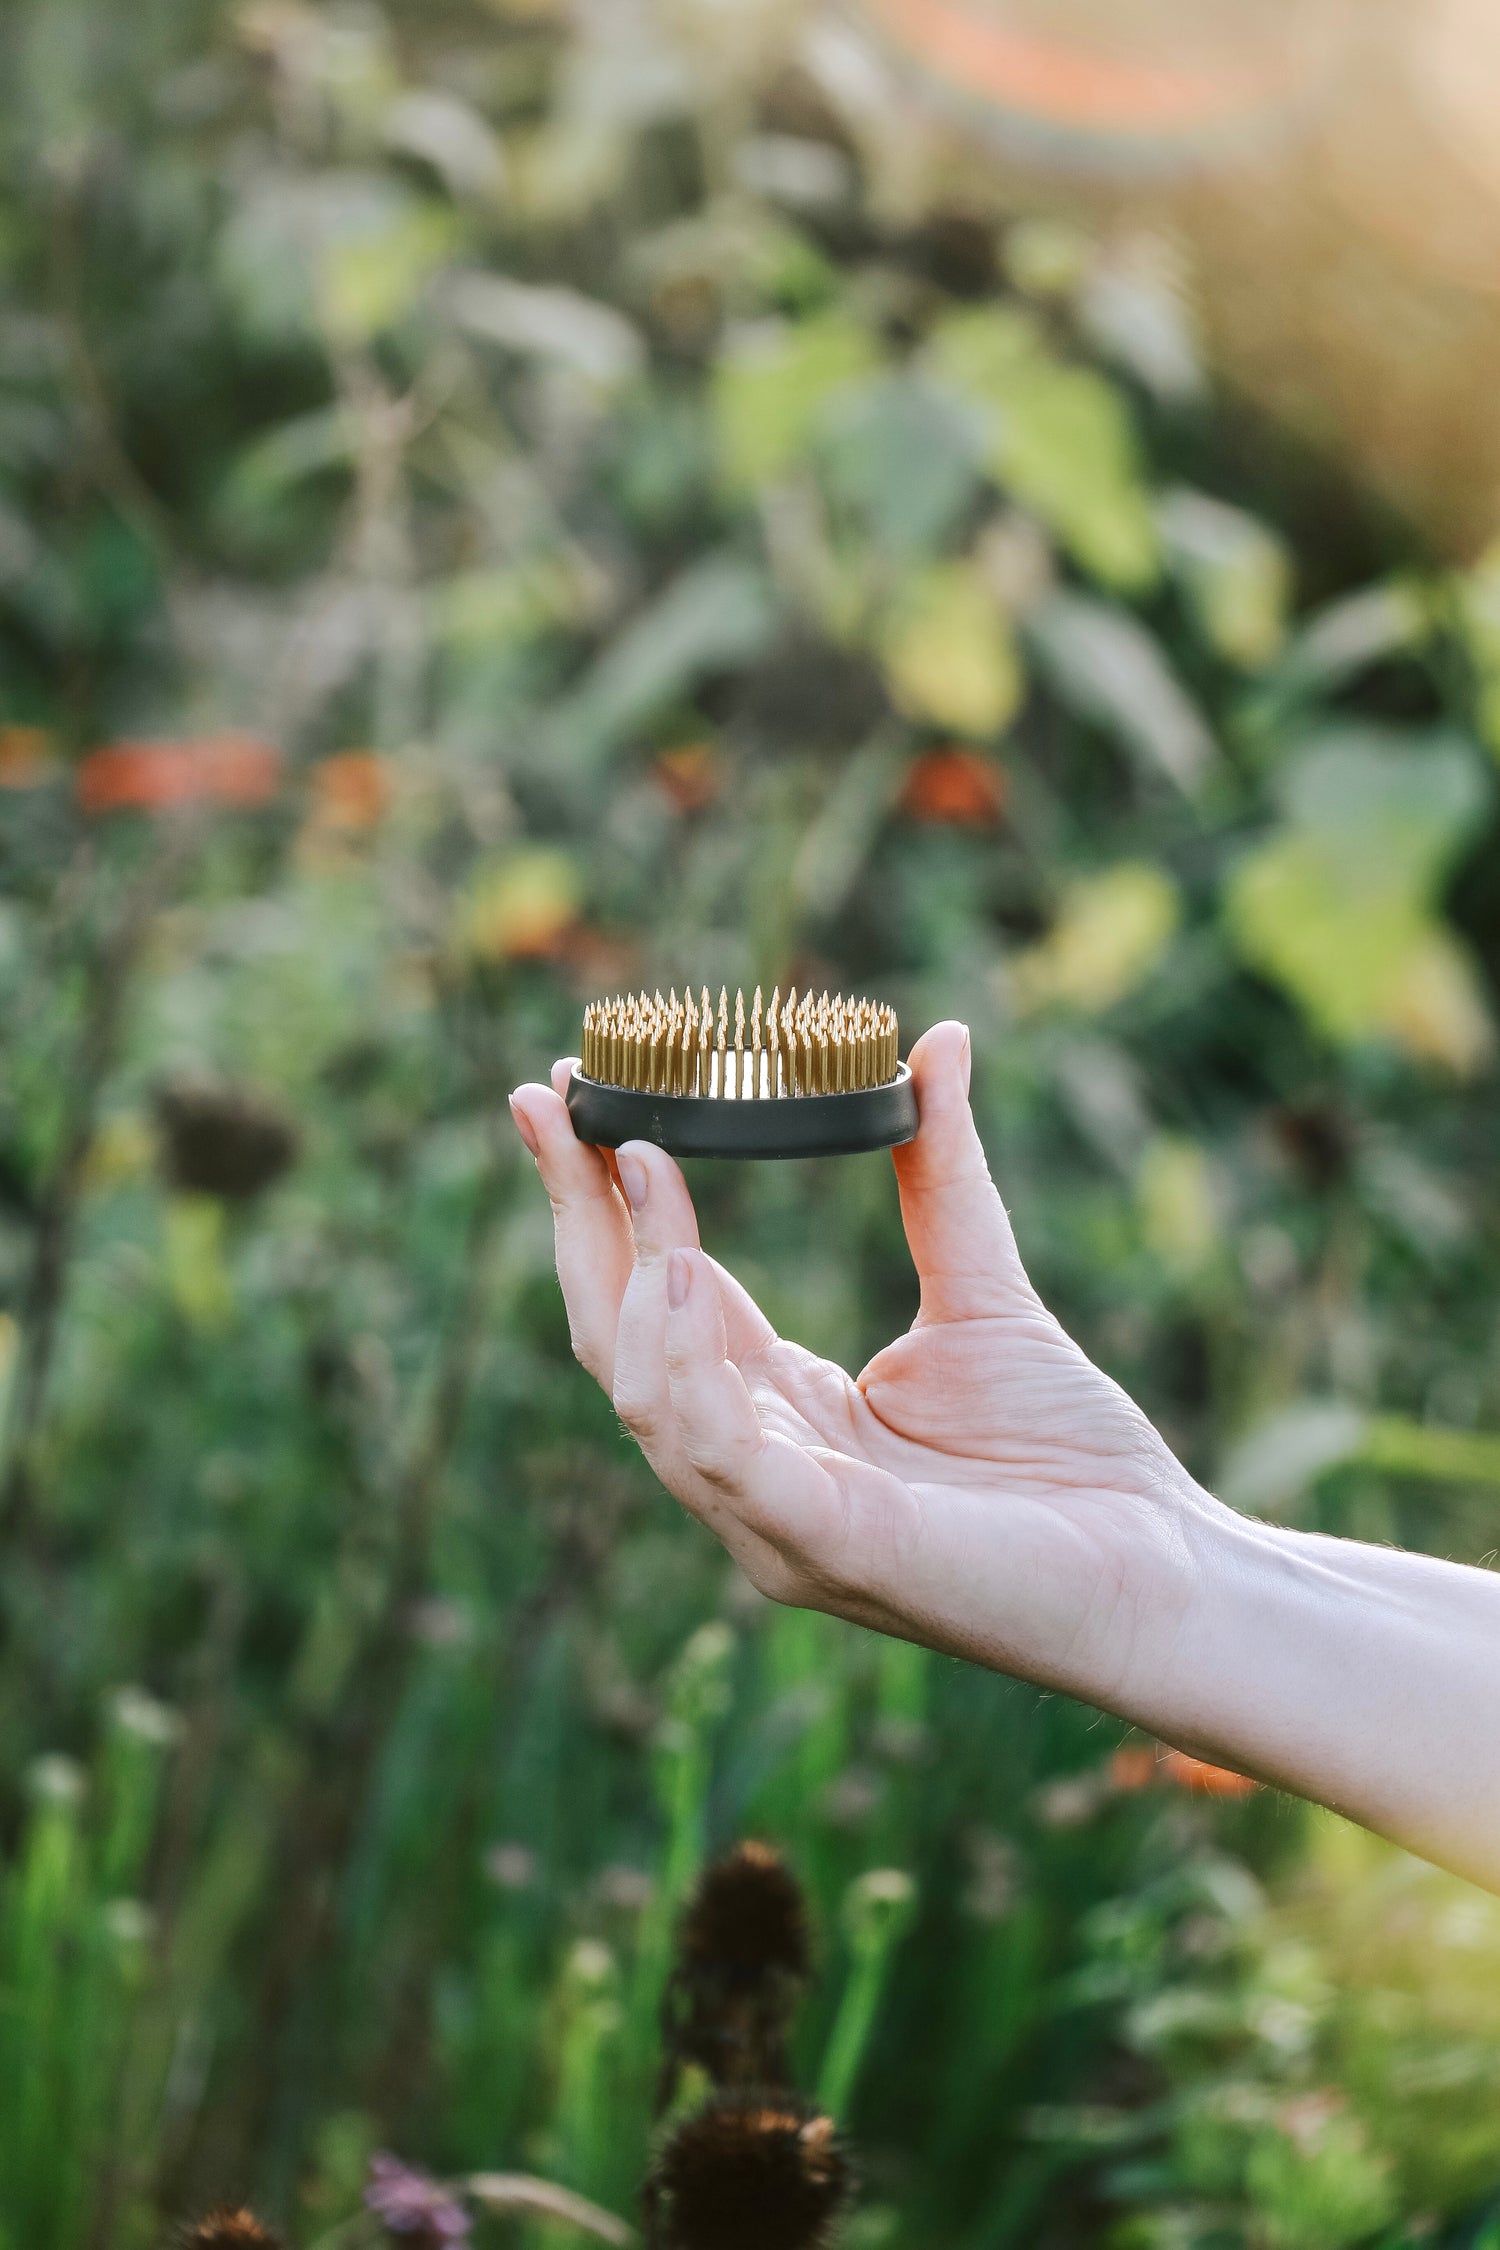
(57, 1215)
(322, 1812)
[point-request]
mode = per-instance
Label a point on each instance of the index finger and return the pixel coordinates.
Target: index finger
(591, 1227)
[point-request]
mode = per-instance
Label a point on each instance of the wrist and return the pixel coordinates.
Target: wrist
(1104, 1606)
(1139, 1651)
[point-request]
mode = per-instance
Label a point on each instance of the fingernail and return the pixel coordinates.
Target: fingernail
(523, 1124)
(634, 1179)
(679, 1278)
(966, 1061)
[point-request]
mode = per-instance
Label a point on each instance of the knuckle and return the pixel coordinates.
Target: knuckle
(588, 1354)
(770, 1573)
(722, 1470)
(641, 1415)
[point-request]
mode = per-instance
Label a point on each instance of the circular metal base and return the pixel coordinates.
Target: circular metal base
(793, 1125)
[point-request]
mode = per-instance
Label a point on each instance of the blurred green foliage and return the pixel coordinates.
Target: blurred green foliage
(653, 542)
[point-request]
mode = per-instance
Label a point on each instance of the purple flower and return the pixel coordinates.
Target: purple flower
(411, 2203)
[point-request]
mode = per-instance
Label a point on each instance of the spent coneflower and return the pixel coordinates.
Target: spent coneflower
(747, 1920)
(743, 1955)
(222, 1139)
(751, 2171)
(229, 2227)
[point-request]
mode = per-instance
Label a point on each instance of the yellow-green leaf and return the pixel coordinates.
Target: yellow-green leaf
(949, 654)
(371, 276)
(1111, 932)
(1480, 609)
(1174, 1194)
(196, 1273)
(772, 385)
(1235, 573)
(1061, 441)
(1339, 906)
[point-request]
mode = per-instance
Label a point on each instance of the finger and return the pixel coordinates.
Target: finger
(747, 1327)
(777, 1491)
(662, 1219)
(961, 1240)
(591, 1227)
(562, 1071)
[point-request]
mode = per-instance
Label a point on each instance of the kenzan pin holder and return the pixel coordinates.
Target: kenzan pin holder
(806, 1077)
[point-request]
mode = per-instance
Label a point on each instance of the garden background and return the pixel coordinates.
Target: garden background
(503, 502)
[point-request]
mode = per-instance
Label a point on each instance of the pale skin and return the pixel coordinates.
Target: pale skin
(982, 1488)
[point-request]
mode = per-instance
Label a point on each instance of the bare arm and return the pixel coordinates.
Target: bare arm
(984, 1489)
(1362, 1677)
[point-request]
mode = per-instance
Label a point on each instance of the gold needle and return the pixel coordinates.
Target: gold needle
(809, 1043)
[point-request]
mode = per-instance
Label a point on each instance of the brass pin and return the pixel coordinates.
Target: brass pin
(809, 1043)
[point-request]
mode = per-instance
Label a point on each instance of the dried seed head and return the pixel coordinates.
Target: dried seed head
(227, 2228)
(221, 1139)
(743, 1955)
(748, 2172)
(747, 1921)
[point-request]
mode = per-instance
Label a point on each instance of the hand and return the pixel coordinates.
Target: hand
(985, 1490)
(981, 1487)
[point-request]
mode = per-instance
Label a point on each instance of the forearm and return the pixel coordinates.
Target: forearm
(1364, 1678)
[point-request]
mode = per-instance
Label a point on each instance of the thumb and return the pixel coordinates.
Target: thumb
(961, 1240)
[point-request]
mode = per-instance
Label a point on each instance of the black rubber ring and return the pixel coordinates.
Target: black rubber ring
(795, 1125)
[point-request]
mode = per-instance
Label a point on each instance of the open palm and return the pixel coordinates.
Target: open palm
(981, 1486)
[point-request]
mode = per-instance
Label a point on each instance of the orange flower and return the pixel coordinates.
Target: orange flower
(1132, 1766)
(351, 791)
(25, 756)
(692, 777)
(1204, 1779)
(1139, 1765)
(223, 769)
(953, 788)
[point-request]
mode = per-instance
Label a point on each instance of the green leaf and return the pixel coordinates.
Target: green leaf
(1338, 907)
(772, 387)
(1103, 664)
(593, 339)
(1234, 572)
(1344, 639)
(372, 275)
(347, 251)
(718, 613)
(1283, 1455)
(1060, 441)
(482, 609)
(904, 456)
